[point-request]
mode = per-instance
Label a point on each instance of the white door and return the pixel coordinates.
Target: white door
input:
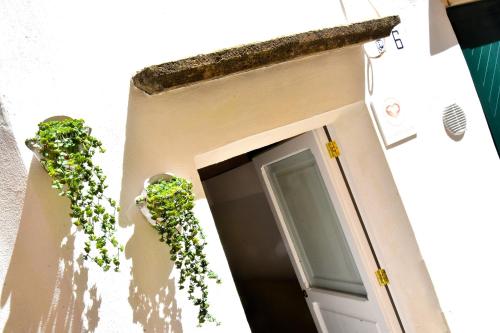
(324, 238)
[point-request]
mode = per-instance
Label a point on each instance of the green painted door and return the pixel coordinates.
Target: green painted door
(477, 27)
(484, 66)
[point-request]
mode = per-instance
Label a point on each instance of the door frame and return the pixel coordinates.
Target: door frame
(351, 224)
(397, 250)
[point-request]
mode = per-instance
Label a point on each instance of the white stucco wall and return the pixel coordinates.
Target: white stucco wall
(449, 188)
(12, 185)
(76, 58)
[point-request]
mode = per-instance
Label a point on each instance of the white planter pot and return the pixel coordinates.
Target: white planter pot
(142, 203)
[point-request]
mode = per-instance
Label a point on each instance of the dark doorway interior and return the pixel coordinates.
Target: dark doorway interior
(267, 285)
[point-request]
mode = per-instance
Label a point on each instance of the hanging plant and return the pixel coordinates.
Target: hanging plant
(170, 201)
(65, 149)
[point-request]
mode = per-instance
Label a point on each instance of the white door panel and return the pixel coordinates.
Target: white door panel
(321, 231)
(338, 322)
(313, 225)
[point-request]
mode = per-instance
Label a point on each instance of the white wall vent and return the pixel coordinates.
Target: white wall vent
(454, 120)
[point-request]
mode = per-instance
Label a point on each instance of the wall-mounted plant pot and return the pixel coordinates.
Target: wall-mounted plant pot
(171, 201)
(140, 200)
(31, 144)
(61, 144)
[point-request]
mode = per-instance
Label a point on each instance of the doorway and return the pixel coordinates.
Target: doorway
(267, 286)
(319, 236)
(262, 271)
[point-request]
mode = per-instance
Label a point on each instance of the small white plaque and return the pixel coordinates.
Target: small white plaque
(393, 120)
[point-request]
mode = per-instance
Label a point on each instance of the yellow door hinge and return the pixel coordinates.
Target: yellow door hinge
(333, 149)
(382, 278)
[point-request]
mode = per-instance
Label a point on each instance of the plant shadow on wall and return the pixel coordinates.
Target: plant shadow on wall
(152, 289)
(45, 288)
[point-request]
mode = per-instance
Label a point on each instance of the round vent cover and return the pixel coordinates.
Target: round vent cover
(454, 120)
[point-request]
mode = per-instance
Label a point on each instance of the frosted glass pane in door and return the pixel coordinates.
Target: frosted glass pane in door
(313, 224)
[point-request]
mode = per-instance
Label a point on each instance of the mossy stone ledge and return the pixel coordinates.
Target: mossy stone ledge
(158, 78)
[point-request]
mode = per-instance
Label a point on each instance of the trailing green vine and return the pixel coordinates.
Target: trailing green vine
(65, 148)
(170, 203)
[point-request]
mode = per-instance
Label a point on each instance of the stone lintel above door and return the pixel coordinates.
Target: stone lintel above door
(158, 78)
